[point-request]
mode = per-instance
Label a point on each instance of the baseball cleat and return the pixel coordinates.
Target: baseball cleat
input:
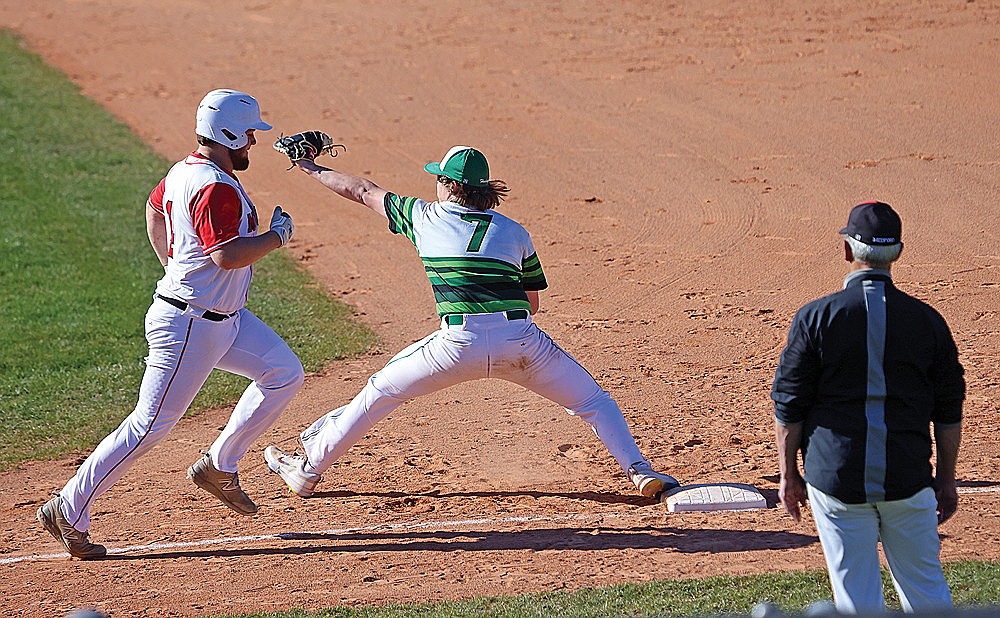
(223, 485)
(51, 516)
(649, 482)
(291, 469)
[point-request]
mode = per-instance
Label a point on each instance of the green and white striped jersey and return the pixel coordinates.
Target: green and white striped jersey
(477, 262)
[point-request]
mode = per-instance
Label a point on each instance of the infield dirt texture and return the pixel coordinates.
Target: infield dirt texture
(683, 171)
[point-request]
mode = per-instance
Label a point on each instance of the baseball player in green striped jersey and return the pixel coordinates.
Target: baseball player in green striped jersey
(486, 277)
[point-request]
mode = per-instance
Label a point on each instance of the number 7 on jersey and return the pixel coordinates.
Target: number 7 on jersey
(482, 222)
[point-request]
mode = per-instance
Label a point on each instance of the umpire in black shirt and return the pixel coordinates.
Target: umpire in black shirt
(865, 373)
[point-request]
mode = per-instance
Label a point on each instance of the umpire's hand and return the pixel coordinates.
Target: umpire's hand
(792, 494)
(947, 499)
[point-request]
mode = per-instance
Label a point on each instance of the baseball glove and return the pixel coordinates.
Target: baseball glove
(306, 145)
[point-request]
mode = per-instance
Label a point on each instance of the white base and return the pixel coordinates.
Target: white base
(718, 497)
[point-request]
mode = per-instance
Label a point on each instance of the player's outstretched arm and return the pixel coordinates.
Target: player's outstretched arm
(354, 188)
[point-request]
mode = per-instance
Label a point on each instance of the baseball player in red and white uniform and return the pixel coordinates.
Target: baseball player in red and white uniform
(206, 232)
(486, 276)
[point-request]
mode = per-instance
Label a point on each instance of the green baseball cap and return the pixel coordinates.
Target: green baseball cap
(464, 164)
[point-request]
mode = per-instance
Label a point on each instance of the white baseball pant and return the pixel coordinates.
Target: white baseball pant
(183, 350)
(483, 346)
(908, 529)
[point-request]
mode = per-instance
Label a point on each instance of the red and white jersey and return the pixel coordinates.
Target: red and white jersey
(205, 208)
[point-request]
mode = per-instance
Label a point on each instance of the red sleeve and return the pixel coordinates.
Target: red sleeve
(155, 200)
(216, 211)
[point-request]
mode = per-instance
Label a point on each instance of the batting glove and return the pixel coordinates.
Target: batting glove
(281, 223)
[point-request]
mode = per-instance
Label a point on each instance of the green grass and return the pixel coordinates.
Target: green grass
(77, 273)
(972, 583)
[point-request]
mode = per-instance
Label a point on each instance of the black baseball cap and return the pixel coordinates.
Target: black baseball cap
(874, 223)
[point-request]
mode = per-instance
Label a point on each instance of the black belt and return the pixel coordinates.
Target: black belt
(208, 315)
(457, 319)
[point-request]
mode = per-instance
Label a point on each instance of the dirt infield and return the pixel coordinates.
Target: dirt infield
(683, 172)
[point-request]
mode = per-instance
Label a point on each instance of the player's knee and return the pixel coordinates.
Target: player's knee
(141, 428)
(296, 375)
(288, 375)
(598, 403)
(387, 389)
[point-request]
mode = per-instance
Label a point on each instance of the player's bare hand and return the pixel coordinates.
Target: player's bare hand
(792, 494)
(947, 499)
(281, 224)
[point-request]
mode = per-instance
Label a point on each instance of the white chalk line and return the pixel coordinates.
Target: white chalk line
(979, 490)
(286, 536)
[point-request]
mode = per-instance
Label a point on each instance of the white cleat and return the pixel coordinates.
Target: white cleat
(649, 482)
(291, 469)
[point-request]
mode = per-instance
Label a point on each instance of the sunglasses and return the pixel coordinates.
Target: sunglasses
(444, 180)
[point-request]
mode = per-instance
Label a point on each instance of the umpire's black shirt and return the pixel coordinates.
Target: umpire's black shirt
(866, 370)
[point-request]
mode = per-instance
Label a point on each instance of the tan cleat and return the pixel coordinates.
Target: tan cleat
(649, 482)
(51, 516)
(223, 485)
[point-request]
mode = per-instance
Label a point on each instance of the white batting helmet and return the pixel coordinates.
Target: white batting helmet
(225, 116)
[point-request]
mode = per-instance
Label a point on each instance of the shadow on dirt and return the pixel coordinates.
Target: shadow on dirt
(574, 539)
(961, 483)
(592, 496)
